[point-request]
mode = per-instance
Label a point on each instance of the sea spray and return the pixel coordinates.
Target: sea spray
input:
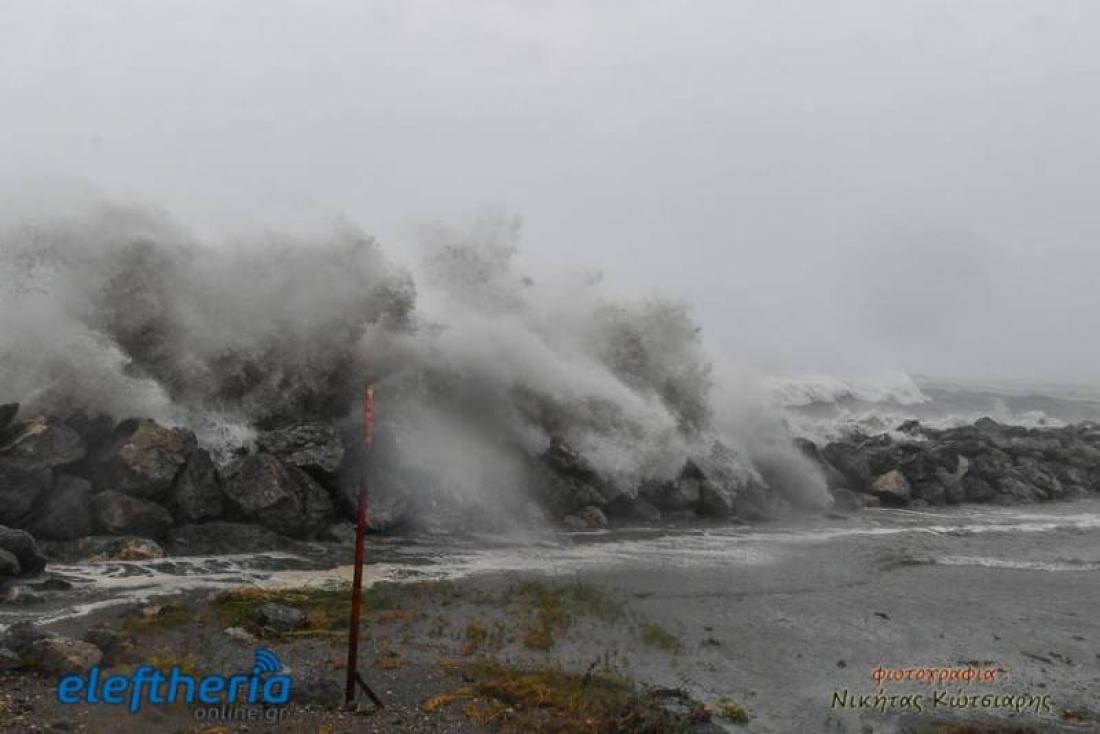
(478, 364)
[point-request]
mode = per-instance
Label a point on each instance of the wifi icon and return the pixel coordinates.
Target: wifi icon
(266, 662)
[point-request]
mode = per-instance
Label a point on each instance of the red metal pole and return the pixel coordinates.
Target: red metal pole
(353, 677)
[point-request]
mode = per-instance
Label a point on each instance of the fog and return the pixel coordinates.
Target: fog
(843, 187)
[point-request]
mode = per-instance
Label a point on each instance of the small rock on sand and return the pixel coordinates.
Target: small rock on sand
(61, 655)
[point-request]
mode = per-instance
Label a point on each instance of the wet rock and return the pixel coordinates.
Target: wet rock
(313, 446)
(222, 538)
(282, 498)
(977, 489)
(143, 459)
(62, 655)
(8, 411)
(39, 444)
(117, 647)
(318, 691)
(20, 636)
(9, 659)
(21, 545)
(387, 514)
(892, 488)
(634, 508)
(9, 565)
(682, 493)
(64, 513)
(197, 491)
(96, 430)
(571, 482)
(756, 503)
(716, 500)
(833, 478)
(586, 518)
(20, 493)
(280, 617)
(116, 513)
(930, 491)
(339, 532)
(852, 463)
(1037, 474)
(953, 491)
(106, 548)
(845, 500)
(1018, 489)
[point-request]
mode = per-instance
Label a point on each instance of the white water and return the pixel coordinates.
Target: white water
(1051, 538)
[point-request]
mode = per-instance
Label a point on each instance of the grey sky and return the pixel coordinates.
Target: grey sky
(833, 185)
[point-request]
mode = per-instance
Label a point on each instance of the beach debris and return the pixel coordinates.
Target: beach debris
(240, 634)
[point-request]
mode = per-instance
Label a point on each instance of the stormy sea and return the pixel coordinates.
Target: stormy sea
(182, 419)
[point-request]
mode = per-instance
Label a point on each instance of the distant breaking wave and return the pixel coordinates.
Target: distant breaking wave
(825, 408)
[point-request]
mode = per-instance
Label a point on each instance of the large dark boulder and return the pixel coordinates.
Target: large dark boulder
(313, 446)
(852, 463)
(9, 565)
(568, 482)
(716, 500)
(638, 508)
(20, 492)
(892, 488)
(222, 538)
(21, 635)
(116, 513)
(39, 444)
(197, 491)
(1041, 476)
(845, 500)
(833, 478)
(282, 498)
(8, 411)
(976, 489)
(104, 548)
(682, 493)
(64, 513)
(21, 545)
(1016, 489)
(143, 459)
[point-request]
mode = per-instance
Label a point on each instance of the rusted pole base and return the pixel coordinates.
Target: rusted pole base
(354, 679)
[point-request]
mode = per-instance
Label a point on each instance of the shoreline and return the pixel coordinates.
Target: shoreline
(778, 635)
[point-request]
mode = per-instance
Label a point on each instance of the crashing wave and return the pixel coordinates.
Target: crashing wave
(477, 365)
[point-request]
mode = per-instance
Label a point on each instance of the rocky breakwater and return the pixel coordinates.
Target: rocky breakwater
(79, 488)
(986, 462)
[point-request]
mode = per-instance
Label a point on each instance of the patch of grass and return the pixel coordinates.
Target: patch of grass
(730, 711)
(979, 727)
(540, 635)
(326, 608)
(655, 635)
(476, 635)
(576, 598)
(166, 661)
(554, 606)
(551, 700)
